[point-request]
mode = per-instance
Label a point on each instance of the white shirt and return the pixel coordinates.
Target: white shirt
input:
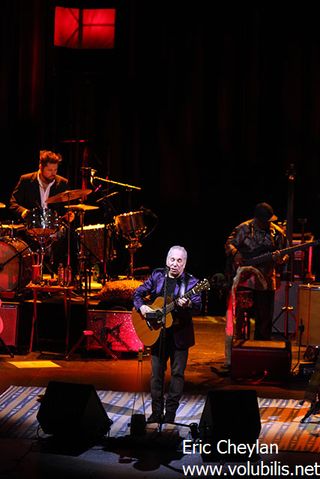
(44, 191)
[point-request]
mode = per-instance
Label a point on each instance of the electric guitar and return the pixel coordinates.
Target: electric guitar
(253, 258)
(148, 329)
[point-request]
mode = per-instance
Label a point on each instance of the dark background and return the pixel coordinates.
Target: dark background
(204, 106)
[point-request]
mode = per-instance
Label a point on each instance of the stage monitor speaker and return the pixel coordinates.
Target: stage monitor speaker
(72, 411)
(229, 416)
(9, 321)
(253, 359)
(115, 329)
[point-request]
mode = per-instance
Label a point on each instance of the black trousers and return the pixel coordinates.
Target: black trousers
(178, 362)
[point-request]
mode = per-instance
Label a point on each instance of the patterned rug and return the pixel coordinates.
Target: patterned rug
(280, 418)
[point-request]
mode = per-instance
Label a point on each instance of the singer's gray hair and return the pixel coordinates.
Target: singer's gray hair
(181, 248)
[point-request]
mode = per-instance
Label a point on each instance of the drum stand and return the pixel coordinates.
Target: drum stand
(132, 247)
(37, 273)
(82, 258)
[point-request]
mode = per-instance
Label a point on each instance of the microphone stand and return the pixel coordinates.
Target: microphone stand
(288, 270)
(162, 344)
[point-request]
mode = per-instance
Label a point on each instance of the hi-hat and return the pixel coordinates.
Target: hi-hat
(81, 207)
(68, 195)
(2, 205)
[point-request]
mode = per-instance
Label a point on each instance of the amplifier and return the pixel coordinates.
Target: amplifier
(113, 328)
(9, 322)
(255, 359)
(308, 312)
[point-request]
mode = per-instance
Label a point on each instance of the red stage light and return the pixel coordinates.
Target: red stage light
(84, 28)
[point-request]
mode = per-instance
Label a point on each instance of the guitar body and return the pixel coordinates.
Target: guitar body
(149, 335)
(146, 335)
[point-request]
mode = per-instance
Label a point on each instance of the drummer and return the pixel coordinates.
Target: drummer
(33, 190)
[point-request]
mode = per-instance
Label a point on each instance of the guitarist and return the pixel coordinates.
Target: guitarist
(247, 241)
(178, 338)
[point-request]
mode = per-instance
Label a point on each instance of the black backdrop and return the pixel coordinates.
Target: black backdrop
(204, 106)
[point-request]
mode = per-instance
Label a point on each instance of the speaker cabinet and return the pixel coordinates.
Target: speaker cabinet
(70, 410)
(255, 359)
(308, 313)
(229, 415)
(9, 322)
(113, 328)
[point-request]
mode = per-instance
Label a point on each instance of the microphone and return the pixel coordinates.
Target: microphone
(92, 173)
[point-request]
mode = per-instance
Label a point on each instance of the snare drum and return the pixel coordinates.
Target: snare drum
(93, 241)
(16, 262)
(42, 222)
(131, 225)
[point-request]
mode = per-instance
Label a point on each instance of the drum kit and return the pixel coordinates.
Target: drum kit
(20, 264)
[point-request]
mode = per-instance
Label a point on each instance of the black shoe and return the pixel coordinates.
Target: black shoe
(155, 417)
(169, 416)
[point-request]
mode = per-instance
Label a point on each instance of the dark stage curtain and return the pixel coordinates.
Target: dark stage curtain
(203, 106)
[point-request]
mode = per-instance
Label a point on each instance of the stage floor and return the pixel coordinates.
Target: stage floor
(127, 373)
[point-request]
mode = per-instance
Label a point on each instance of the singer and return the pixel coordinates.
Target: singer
(170, 282)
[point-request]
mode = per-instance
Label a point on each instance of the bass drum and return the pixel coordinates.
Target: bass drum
(16, 264)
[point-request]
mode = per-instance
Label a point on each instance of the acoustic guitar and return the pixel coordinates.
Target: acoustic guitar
(148, 329)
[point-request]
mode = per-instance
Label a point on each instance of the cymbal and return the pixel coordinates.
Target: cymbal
(2, 205)
(68, 195)
(81, 207)
(12, 227)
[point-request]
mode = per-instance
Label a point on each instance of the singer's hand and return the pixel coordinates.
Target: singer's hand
(184, 302)
(144, 309)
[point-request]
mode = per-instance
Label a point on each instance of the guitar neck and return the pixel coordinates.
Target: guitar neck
(266, 257)
(170, 307)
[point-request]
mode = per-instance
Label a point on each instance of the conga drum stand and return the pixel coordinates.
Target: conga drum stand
(132, 247)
